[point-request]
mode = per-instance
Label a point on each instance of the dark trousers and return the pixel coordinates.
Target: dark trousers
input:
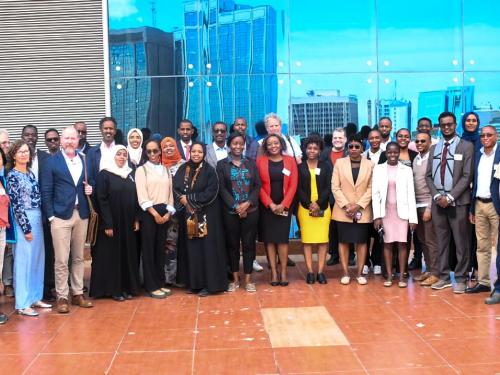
(153, 238)
(244, 230)
(375, 255)
(452, 221)
(49, 282)
(428, 241)
(333, 247)
(497, 282)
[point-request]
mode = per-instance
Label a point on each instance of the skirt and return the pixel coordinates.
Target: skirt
(352, 232)
(313, 229)
(273, 228)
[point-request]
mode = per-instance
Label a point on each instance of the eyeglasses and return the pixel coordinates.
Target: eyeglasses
(353, 146)
(82, 131)
(221, 131)
(52, 139)
(22, 152)
(153, 151)
(420, 141)
(486, 135)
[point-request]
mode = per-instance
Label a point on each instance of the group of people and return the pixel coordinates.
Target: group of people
(183, 213)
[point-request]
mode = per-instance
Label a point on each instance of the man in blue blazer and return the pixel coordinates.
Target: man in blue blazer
(485, 207)
(65, 205)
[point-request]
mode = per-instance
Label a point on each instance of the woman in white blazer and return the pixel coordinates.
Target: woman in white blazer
(394, 208)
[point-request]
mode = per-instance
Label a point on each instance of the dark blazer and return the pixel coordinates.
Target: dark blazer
(494, 183)
(325, 157)
(93, 161)
(323, 183)
(289, 182)
(180, 147)
(462, 173)
(86, 147)
(225, 187)
(59, 191)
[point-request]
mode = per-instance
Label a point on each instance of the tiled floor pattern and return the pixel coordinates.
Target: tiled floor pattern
(386, 331)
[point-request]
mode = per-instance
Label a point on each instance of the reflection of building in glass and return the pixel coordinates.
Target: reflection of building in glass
(138, 100)
(489, 116)
(322, 111)
(230, 57)
(398, 110)
(456, 99)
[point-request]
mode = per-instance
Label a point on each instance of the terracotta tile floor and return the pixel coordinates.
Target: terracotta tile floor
(381, 331)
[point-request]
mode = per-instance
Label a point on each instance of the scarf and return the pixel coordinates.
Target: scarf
(471, 136)
(112, 167)
(135, 154)
(166, 160)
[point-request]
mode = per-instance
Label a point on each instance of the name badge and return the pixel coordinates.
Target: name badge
(2, 191)
(286, 172)
(458, 157)
(419, 162)
(317, 171)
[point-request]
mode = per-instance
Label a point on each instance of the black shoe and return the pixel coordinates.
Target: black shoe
(203, 293)
(478, 288)
(322, 278)
(493, 299)
(310, 278)
(118, 298)
(332, 261)
(127, 295)
(193, 291)
(284, 283)
(415, 264)
(290, 263)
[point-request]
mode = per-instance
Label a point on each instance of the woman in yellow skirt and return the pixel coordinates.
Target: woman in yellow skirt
(314, 211)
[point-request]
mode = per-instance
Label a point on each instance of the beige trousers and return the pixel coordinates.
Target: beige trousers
(486, 233)
(68, 237)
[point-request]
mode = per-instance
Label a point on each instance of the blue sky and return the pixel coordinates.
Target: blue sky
(338, 44)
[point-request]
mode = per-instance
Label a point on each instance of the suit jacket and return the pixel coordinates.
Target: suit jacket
(462, 173)
(289, 182)
(405, 192)
(211, 157)
(59, 191)
(346, 191)
(323, 184)
(181, 149)
(494, 184)
(93, 162)
(86, 147)
(42, 159)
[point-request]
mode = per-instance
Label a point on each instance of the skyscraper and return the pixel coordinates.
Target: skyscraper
(398, 110)
(456, 99)
(322, 111)
(137, 100)
(230, 61)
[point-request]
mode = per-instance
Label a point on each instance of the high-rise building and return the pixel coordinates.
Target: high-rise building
(369, 112)
(230, 57)
(137, 100)
(398, 110)
(321, 112)
(456, 99)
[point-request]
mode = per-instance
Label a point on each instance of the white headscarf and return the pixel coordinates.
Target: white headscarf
(112, 167)
(135, 154)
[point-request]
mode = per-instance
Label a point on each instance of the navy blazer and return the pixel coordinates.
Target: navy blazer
(59, 191)
(93, 161)
(494, 184)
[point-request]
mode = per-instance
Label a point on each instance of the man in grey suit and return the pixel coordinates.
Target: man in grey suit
(217, 150)
(449, 175)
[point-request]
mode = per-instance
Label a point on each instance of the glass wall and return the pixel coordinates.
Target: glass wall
(318, 64)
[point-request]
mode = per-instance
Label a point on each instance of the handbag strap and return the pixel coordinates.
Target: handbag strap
(85, 179)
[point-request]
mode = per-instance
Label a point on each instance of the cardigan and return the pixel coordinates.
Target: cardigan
(289, 181)
(323, 184)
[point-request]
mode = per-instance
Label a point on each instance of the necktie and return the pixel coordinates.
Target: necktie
(444, 162)
(187, 153)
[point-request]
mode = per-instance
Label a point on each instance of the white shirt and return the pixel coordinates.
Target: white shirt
(220, 152)
(374, 156)
(186, 147)
(34, 165)
(484, 170)
(383, 144)
(106, 153)
(75, 167)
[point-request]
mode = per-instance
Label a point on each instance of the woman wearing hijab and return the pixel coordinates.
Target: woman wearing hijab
(171, 159)
(134, 147)
(154, 192)
(115, 268)
(201, 255)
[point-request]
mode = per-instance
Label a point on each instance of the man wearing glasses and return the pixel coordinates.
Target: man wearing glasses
(217, 150)
(52, 141)
(483, 210)
(81, 128)
(449, 175)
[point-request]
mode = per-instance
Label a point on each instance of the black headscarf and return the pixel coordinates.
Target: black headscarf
(468, 135)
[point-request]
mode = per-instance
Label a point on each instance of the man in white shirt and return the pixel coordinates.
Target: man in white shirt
(217, 150)
(482, 209)
(385, 128)
(185, 130)
(98, 155)
(273, 126)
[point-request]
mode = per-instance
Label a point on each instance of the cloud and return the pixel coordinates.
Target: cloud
(119, 9)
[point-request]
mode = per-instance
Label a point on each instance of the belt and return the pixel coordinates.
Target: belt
(484, 200)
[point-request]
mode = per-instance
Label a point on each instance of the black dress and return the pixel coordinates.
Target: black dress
(274, 228)
(201, 262)
(115, 267)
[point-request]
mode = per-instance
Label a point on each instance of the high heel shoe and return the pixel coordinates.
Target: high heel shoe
(275, 282)
(310, 278)
(284, 283)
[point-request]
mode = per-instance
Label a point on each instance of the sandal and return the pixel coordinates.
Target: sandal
(388, 283)
(233, 286)
(402, 284)
(250, 288)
